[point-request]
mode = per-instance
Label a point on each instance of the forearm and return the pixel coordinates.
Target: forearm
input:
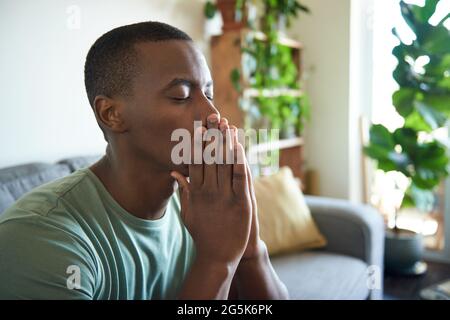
(207, 280)
(255, 278)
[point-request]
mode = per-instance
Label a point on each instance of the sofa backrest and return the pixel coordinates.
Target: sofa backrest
(17, 180)
(76, 163)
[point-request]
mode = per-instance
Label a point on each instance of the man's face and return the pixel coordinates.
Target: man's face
(172, 90)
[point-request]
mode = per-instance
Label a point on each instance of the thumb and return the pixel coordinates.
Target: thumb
(182, 181)
(183, 184)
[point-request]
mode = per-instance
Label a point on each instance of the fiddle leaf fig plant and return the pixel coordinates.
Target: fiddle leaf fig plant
(423, 100)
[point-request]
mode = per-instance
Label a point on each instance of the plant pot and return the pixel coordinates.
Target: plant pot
(227, 9)
(404, 252)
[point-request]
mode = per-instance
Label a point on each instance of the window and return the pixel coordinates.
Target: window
(385, 191)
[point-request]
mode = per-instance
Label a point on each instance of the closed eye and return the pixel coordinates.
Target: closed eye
(180, 99)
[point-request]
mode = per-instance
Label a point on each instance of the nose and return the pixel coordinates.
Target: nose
(205, 109)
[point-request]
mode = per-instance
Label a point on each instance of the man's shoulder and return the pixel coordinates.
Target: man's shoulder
(40, 239)
(46, 218)
(41, 201)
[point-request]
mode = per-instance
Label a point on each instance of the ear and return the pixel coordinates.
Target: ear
(110, 114)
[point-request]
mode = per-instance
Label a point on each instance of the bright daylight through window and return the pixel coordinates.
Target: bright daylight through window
(387, 189)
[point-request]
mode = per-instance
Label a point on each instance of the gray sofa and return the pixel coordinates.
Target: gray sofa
(355, 235)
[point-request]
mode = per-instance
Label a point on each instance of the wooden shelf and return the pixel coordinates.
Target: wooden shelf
(276, 145)
(271, 93)
(226, 56)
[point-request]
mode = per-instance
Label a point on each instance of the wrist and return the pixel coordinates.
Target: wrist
(258, 252)
(221, 269)
(207, 279)
(259, 258)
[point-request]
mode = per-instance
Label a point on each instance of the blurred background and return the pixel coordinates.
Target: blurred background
(358, 120)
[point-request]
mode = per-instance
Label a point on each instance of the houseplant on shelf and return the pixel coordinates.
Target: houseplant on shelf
(413, 150)
(280, 13)
(232, 19)
(269, 65)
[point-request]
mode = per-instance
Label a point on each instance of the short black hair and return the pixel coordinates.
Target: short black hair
(111, 62)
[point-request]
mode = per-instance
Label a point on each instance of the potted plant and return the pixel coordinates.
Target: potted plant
(423, 100)
(280, 13)
(268, 65)
(232, 19)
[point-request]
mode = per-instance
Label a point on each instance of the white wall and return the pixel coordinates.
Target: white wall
(326, 37)
(44, 112)
(45, 115)
(361, 94)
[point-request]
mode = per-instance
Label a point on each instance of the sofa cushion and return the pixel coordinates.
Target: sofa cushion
(285, 222)
(318, 275)
(21, 179)
(76, 163)
(6, 199)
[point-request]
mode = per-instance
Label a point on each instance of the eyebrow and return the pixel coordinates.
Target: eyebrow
(186, 82)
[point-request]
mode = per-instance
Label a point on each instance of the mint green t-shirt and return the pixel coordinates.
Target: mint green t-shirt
(69, 239)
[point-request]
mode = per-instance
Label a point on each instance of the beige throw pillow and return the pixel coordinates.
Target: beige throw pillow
(285, 221)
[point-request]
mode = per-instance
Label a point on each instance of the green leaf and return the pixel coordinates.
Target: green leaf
(403, 101)
(436, 40)
(403, 75)
(210, 10)
(433, 118)
(438, 65)
(423, 14)
(444, 84)
(441, 23)
(439, 103)
(407, 139)
(387, 165)
(408, 16)
(425, 178)
(380, 135)
(432, 155)
(235, 77)
(437, 163)
(303, 8)
(415, 121)
(376, 152)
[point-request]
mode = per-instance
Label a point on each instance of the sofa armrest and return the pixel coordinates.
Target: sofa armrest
(350, 229)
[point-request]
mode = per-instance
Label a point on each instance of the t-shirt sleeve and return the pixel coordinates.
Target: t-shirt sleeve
(39, 260)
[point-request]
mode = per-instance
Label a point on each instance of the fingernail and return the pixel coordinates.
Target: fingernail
(223, 126)
(213, 118)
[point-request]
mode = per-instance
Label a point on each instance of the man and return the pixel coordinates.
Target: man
(117, 230)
